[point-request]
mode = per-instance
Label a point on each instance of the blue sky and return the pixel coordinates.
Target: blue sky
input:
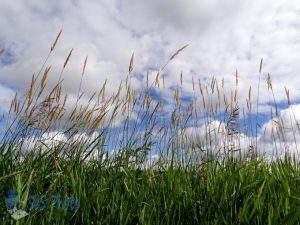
(223, 36)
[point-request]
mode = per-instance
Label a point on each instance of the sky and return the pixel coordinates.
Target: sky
(222, 36)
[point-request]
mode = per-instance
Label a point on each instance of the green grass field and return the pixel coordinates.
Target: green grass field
(227, 192)
(72, 177)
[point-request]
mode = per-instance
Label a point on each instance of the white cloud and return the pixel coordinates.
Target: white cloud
(282, 134)
(49, 140)
(223, 36)
(278, 136)
(213, 137)
(6, 96)
(45, 142)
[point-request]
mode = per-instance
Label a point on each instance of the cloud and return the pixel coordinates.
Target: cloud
(45, 142)
(223, 36)
(6, 96)
(277, 137)
(281, 134)
(50, 140)
(214, 138)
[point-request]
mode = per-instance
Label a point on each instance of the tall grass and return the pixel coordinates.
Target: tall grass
(130, 158)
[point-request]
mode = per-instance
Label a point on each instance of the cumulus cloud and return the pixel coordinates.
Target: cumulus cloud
(278, 137)
(6, 96)
(214, 138)
(223, 36)
(281, 135)
(44, 142)
(50, 140)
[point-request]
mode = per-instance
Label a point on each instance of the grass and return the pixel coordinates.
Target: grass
(228, 192)
(97, 154)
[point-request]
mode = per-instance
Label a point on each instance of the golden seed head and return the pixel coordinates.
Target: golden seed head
(178, 51)
(131, 63)
(55, 42)
(68, 58)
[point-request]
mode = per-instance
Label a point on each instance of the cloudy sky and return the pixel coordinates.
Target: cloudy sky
(223, 36)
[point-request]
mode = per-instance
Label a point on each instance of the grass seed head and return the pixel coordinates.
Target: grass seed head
(178, 51)
(261, 64)
(68, 58)
(131, 63)
(84, 65)
(56, 40)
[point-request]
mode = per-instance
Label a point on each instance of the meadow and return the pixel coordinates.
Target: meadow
(138, 157)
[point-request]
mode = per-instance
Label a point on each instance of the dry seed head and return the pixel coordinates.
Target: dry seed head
(55, 87)
(177, 52)
(181, 78)
(99, 118)
(218, 90)
(84, 65)
(269, 82)
(55, 42)
(131, 63)
(261, 64)
(159, 102)
(287, 92)
(32, 82)
(13, 103)
(193, 83)
(236, 78)
(102, 91)
(235, 96)
(248, 104)
(147, 81)
(52, 114)
(17, 107)
(200, 87)
(91, 98)
(118, 92)
(57, 93)
(176, 95)
(29, 92)
(29, 101)
(196, 114)
(157, 80)
(226, 103)
(212, 85)
(63, 105)
(80, 96)
(1, 51)
(148, 101)
(173, 117)
(73, 114)
(249, 94)
(68, 58)
(43, 81)
(133, 95)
